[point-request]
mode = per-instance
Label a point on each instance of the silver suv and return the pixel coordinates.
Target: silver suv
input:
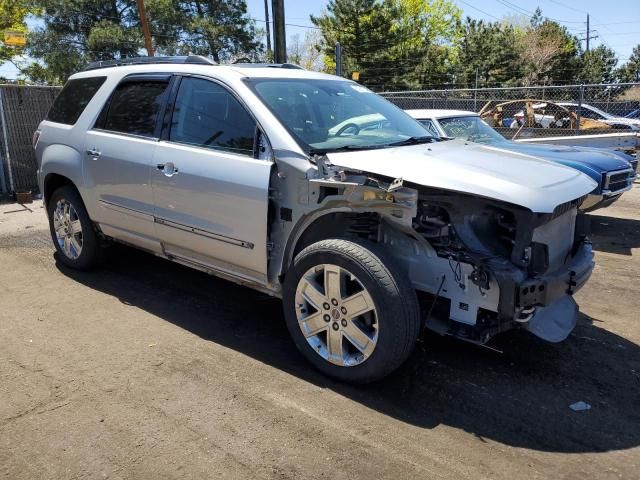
(265, 175)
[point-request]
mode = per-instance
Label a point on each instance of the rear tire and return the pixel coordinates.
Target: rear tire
(72, 230)
(350, 309)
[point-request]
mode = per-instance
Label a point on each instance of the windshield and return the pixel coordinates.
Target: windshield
(473, 129)
(588, 111)
(329, 115)
(598, 111)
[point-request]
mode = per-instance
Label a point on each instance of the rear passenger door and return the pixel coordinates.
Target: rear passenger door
(119, 156)
(210, 187)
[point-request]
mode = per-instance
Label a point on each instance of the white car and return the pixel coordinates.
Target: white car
(593, 113)
(586, 111)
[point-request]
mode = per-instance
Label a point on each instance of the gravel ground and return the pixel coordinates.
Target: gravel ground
(146, 369)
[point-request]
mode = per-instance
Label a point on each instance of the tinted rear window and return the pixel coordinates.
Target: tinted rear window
(73, 99)
(134, 107)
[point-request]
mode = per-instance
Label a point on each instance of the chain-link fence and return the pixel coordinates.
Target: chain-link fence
(534, 111)
(538, 111)
(21, 110)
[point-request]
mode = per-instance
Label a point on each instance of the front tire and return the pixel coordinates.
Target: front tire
(350, 309)
(72, 231)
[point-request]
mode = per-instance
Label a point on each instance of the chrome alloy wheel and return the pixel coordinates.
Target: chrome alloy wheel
(68, 228)
(337, 315)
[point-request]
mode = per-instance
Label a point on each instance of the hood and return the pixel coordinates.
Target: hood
(475, 169)
(597, 159)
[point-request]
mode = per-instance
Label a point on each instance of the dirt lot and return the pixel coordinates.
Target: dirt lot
(145, 369)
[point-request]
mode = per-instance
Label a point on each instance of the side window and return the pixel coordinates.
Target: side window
(134, 107)
(72, 100)
(207, 115)
(428, 124)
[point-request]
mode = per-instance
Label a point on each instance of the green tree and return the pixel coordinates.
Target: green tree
(12, 17)
(363, 30)
(217, 28)
(630, 71)
(425, 36)
(76, 32)
(599, 65)
(491, 51)
(392, 43)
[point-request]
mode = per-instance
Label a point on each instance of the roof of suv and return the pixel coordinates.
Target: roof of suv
(233, 71)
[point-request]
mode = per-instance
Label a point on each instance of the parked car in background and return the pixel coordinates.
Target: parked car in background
(614, 171)
(536, 115)
(635, 114)
(367, 234)
(593, 113)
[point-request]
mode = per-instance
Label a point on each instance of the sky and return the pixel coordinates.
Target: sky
(615, 22)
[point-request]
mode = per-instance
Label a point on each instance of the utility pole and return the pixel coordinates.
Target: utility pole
(145, 28)
(268, 24)
(588, 32)
(338, 59)
(279, 40)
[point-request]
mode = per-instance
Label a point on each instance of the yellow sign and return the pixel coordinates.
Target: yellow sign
(14, 39)
(355, 76)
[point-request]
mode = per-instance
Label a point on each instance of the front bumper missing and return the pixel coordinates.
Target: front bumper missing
(544, 289)
(541, 304)
(556, 312)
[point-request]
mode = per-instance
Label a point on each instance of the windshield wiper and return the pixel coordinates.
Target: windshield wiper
(413, 141)
(344, 148)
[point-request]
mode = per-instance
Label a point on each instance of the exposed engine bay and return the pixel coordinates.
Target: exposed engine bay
(501, 261)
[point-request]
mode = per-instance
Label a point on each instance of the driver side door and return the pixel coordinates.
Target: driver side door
(210, 189)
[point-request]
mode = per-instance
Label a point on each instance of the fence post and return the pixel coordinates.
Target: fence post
(580, 100)
(475, 94)
(3, 185)
(3, 120)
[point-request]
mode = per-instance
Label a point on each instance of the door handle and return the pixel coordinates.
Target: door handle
(93, 152)
(169, 169)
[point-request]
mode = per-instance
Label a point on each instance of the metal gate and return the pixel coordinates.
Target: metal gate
(22, 108)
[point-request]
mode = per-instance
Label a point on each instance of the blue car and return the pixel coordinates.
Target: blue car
(614, 171)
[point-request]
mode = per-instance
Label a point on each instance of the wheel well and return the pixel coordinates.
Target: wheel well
(52, 182)
(338, 225)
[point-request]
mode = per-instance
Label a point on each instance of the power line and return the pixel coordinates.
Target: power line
(623, 33)
(567, 6)
(617, 23)
(476, 8)
(530, 14)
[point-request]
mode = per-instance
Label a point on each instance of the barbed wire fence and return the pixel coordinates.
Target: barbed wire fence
(23, 107)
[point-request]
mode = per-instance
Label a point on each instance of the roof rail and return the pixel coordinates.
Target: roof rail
(292, 66)
(195, 59)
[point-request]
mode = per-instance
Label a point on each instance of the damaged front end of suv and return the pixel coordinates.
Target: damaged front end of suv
(498, 266)
(377, 229)
(480, 265)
